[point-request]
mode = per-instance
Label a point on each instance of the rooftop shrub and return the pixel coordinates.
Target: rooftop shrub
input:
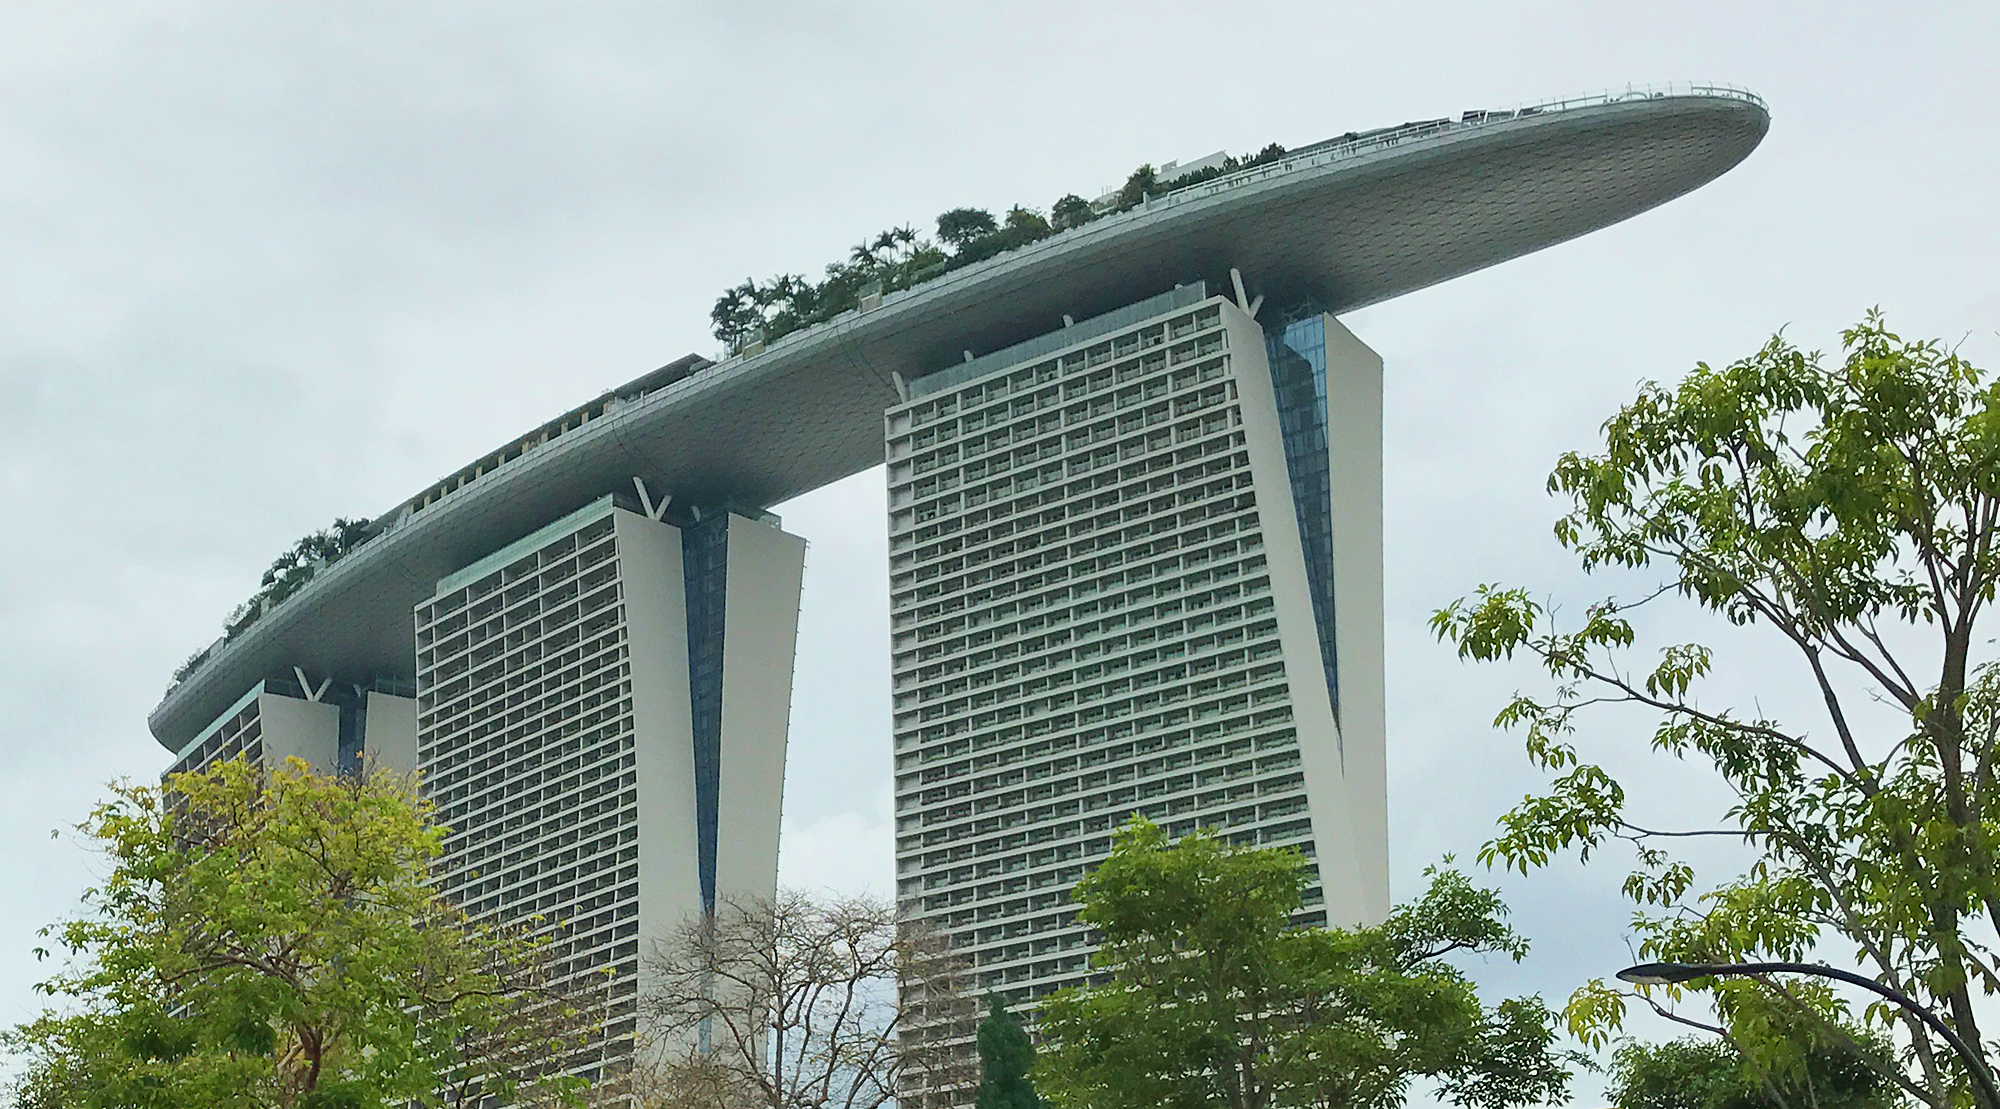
(901, 258)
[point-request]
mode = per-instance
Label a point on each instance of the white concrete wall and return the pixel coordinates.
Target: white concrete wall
(293, 728)
(389, 732)
(1342, 763)
(655, 592)
(1354, 442)
(766, 570)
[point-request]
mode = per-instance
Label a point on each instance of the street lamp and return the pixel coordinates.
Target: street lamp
(1662, 974)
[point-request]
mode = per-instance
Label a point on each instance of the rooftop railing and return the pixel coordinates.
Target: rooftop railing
(1368, 142)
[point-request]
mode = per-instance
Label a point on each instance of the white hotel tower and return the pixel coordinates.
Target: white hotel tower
(1135, 567)
(1135, 560)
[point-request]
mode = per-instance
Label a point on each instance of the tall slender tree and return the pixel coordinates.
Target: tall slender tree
(1006, 1055)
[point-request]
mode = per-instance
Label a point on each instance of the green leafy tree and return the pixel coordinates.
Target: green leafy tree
(1848, 511)
(270, 940)
(1710, 1073)
(1005, 1057)
(1026, 224)
(736, 313)
(1071, 211)
(1143, 182)
(1214, 999)
(960, 226)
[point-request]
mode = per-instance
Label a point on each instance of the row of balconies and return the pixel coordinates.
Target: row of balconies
(613, 807)
(507, 783)
(1181, 459)
(537, 873)
(922, 413)
(499, 722)
(467, 719)
(1115, 646)
(1240, 518)
(471, 847)
(437, 704)
(1128, 585)
(1018, 743)
(1075, 603)
(587, 811)
(1021, 513)
(488, 730)
(1016, 831)
(481, 599)
(503, 627)
(937, 495)
(1136, 502)
(1023, 426)
(1225, 559)
(1042, 695)
(1045, 442)
(1169, 725)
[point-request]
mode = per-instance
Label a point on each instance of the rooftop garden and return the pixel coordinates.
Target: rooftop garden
(902, 258)
(288, 574)
(760, 311)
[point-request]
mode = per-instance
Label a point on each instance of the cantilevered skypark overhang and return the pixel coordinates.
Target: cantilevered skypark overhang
(1346, 223)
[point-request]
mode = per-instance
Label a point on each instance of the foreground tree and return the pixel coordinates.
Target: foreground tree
(270, 940)
(1214, 999)
(1849, 511)
(1006, 1055)
(1710, 1073)
(788, 1003)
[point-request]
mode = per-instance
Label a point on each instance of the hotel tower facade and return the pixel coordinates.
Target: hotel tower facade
(1135, 567)
(1135, 528)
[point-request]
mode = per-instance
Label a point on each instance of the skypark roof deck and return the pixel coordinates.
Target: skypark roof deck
(1344, 223)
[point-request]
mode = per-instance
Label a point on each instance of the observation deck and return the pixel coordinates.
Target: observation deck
(1344, 223)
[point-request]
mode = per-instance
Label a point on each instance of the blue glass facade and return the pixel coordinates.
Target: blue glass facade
(1297, 353)
(705, 566)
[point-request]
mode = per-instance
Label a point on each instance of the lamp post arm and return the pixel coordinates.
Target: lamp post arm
(1974, 1066)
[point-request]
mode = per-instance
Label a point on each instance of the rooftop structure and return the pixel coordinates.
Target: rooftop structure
(1340, 224)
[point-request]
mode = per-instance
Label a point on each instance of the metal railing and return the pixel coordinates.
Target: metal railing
(1323, 153)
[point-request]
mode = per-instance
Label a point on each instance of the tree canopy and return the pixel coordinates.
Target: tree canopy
(270, 940)
(1006, 1055)
(899, 258)
(1845, 510)
(1212, 998)
(1710, 1073)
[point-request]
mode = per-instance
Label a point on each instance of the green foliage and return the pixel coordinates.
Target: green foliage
(1006, 1056)
(1071, 211)
(288, 574)
(271, 940)
(962, 225)
(899, 259)
(1215, 999)
(1709, 1073)
(1850, 509)
(1143, 183)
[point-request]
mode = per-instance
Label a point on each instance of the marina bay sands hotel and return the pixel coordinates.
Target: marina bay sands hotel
(1135, 559)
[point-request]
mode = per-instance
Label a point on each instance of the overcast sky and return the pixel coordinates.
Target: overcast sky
(262, 265)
